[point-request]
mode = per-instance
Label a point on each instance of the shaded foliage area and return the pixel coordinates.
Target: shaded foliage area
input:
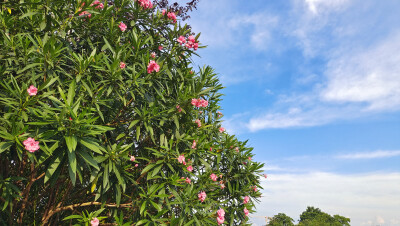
(114, 117)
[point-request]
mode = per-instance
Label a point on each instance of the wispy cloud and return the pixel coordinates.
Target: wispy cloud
(365, 198)
(370, 155)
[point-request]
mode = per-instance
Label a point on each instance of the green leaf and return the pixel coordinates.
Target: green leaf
(53, 167)
(71, 142)
(148, 167)
(156, 170)
(71, 93)
(4, 146)
(89, 159)
(91, 145)
(134, 122)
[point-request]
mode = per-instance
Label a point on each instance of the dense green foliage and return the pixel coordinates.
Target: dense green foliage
(111, 133)
(310, 217)
(281, 219)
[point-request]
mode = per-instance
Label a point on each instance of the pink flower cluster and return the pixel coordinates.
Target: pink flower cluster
(254, 188)
(31, 145)
(146, 4)
(181, 159)
(199, 103)
(170, 15)
(94, 222)
(246, 212)
(198, 122)
(194, 144)
(179, 108)
(160, 48)
(190, 168)
(86, 14)
(32, 90)
(246, 199)
(219, 114)
(98, 4)
(187, 180)
(213, 177)
(132, 159)
(122, 26)
(190, 42)
(221, 216)
(202, 196)
(153, 66)
(221, 129)
(122, 65)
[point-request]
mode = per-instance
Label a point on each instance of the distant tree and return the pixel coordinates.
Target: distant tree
(315, 217)
(281, 219)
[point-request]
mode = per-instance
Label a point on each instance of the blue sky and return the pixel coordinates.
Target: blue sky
(315, 87)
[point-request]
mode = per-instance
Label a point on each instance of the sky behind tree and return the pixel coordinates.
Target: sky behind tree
(315, 87)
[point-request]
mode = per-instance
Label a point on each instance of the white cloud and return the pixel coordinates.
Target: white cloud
(365, 198)
(318, 6)
(371, 76)
(370, 155)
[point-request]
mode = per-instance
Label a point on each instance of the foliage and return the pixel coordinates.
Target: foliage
(281, 219)
(111, 133)
(310, 217)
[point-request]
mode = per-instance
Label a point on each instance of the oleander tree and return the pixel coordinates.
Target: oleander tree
(104, 120)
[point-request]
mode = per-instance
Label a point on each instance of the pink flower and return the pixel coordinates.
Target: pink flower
(265, 175)
(94, 222)
(249, 158)
(194, 144)
(153, 66)
(246, 212)
(213, 177)
(221, 213)
(222, 186)
(221, 129)
(153, 55)
(219, 114)
(199, 103)
(100, 6)
(172, 16)
(70, 119)
(246, 199)
(163, 12)
(132, 158)
(190, 168)
(198, 122)
(95, 3)
(122, 65)
(237, 149)
(210, 148)
(32, 90)
(195, 46)
(146, 4)
(136, 165)
(122, 26)
(31, 145)
(178, 108)
(181, 159)
(188, 180)
(220, 220)
(202, 196)
(191, 39)
(85, 13)
(181, 40)
(255, 188)
(160, 48)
